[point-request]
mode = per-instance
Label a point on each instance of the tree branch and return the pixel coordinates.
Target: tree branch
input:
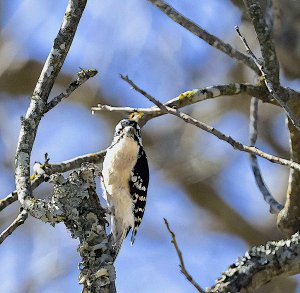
(265, 39)
(288, 219)
(235, 144)
(62, 167)
(39, 99)
(75, 163)
(269, 84)
(191, 97)
(9, 199)
(275, 207)
(204, 35)
(182, 266)
(260, 265)
(82, 77)
(20, 219)
(77, 201)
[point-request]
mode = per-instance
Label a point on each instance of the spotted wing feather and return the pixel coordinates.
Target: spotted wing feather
(138, 185)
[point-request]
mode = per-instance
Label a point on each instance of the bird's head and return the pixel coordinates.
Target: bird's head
(129, 128)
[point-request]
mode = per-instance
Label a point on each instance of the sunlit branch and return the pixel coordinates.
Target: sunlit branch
(203, 34)
(191, 97)
(235, 144)
(38, 103)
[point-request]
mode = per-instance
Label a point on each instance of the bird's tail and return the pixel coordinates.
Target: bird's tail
(119, 234)
(118, 244)
(134, 230)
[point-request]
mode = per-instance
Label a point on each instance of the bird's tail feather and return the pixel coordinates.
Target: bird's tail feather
(134, 230)
(118, 243)
(119, 233)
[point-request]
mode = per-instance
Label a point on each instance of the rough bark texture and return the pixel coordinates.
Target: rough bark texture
(78, 203)
(265, 39)
(260, 265)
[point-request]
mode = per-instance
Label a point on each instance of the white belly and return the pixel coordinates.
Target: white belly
(117, 167)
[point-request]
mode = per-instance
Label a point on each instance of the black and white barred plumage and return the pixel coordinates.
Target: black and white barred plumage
(125, 178)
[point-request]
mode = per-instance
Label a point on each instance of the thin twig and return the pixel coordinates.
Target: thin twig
(82, 76)
(9, 199)
(13, 196)
(235, 144)
(269, 83)
(126, 110)
(182, 266)
(20, 219)
(275, 207)
(249, 51)
(202, 34)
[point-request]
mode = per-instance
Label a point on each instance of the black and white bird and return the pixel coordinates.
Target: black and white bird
(125, 178)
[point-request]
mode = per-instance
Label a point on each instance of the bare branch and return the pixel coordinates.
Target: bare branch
(76, 203)
(126, 110)
(265, 39)
(82, 76)
(202, 34)
(12, 197)
(275, 207)
(76, 162)
(182, 266)
(14, 225)
(40, 96)
(62, 167)
(269, 84)
(191, 97)
(260, 265)
(235, 144)
(9, 199)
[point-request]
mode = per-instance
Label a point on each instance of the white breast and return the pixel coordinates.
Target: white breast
(117, 167)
